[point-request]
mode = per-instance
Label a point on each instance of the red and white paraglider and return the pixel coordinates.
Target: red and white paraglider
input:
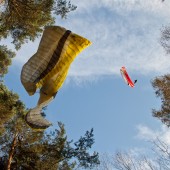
(126, 77)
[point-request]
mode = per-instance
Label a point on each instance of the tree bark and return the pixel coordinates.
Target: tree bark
(11, 152)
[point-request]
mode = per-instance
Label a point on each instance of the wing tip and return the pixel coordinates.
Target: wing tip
(38, 123)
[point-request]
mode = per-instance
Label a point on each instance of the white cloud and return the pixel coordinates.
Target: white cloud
(146, 133)
(123, 32)
(147, 5)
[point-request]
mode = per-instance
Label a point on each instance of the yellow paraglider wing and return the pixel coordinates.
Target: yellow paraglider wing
(48, 67)
(57, 50)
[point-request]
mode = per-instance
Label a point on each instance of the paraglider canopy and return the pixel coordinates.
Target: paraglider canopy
(47, 69)
(126, 77)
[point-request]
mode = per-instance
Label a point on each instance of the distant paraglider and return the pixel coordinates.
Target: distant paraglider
(126, 77)
(48, 67)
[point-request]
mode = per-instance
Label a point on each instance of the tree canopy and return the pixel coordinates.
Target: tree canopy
(23, 148)
(162, 89)
(10, 105)
(5, 59)
(24, 20)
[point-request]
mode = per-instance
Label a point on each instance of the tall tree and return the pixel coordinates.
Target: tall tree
(24, 148)
(24, 20)
(16, 132)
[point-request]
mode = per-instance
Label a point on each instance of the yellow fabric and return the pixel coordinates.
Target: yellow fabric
(39, 61)
(73, 46)
(58, 45)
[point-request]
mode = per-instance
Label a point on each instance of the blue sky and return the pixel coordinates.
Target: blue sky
(94, 95)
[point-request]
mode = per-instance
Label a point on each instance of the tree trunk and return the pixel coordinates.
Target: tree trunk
(11, 152)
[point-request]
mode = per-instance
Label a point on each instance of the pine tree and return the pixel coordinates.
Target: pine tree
(24, 148)
(24, 20)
